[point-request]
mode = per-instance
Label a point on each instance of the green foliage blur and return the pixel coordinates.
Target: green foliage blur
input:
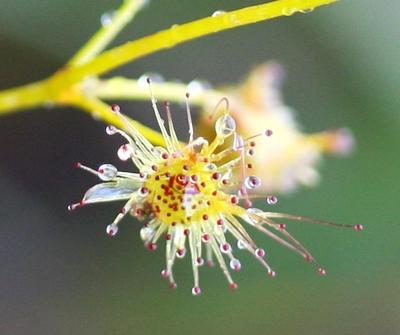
(61, 274)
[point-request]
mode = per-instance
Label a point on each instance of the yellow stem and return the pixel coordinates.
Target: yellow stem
(103, 111)
(22, 97)
(131, 89)
(107, 33)
(178, 34)
(59, 86)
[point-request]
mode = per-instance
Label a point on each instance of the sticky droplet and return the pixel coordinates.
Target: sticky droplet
(272, 200)
(235, 264)
(112, 229)
(198, 86)
(107, 18)
(218, 13)
(107, 172)
(252, 182)
(146, 233)
(196, 290)
(225, 126)
(124, 152)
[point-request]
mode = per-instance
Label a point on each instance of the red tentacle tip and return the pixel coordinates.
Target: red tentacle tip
(248, 203)
(196, 290)
(282, 226)
(152, 246)
(210, 263)
(164, 273)
(358, 227)
(268, 132)
(115, 108)
(308, 258)
(233, 286)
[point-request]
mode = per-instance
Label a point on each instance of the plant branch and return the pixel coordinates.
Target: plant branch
(178, 34)
(68, 83)
(118, 88)
(98, 108)
(108, 32)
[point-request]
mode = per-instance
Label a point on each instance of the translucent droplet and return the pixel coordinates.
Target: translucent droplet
(225, 126)
(254, 215)
(227, 175)
(198, 86)
(147, 233)
(272, 200)
(124, 152)
(223, 228)
(252, 182)
(107, 18)
(200, 261)
(210, 167)
(306, 10)
(72, 207)
(218, 13)
(111, 130)
(112, 229)
(238, 142)
(181, 253)
(287, 11)
(196, 290)
(160, 152)
(235, 264)
(154, 77)
(241, 244)
(107, 172)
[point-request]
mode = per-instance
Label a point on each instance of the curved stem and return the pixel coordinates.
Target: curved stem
(178, 34)
(107, 33)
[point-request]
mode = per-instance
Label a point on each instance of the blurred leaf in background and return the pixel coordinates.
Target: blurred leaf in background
(61, 274)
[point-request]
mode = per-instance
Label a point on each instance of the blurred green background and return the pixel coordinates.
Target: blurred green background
(61, 274)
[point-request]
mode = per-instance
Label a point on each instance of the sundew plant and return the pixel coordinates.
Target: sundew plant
(193, 192)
